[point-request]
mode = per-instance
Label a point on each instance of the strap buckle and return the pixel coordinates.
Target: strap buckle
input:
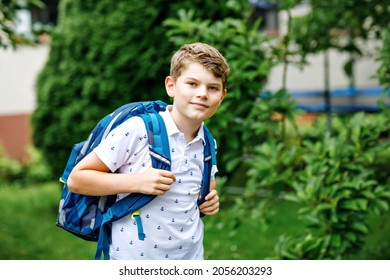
(136, 215)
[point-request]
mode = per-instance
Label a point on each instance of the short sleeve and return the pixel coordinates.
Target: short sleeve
(121, 143)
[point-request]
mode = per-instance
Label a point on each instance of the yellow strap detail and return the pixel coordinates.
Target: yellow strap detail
(136, 213)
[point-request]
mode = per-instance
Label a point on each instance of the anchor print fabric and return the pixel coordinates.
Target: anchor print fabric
(171, 222)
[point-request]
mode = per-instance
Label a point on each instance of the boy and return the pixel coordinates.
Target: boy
(172, 224)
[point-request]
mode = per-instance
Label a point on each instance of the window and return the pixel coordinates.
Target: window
(30, 24)
(46, 15)
(268, 12)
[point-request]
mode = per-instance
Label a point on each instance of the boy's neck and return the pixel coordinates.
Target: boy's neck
(189, 135)
(188, 127)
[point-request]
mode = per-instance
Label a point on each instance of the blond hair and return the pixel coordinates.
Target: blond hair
(204, 54)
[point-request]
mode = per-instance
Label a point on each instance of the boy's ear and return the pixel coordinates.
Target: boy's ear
(223, 96)
(169, 86)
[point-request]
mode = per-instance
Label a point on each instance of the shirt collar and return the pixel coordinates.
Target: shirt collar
(172, 128)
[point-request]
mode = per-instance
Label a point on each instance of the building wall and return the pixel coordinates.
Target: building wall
(311, 77)
(18, 71)
(307, 84)
(15, 135)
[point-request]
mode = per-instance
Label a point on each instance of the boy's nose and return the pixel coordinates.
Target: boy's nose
(202, 92)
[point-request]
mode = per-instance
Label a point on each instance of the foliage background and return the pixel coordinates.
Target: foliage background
(305, 192)
(103, 54)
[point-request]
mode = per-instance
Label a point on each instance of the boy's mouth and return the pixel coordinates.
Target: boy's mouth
(199, 104)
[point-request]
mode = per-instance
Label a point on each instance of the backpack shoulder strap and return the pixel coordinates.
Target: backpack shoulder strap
(158, 141)
(210, 159)
(160, 155)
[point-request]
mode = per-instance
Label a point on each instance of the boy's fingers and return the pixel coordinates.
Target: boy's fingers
(168, 174)
(210, 210)
(212, 199)
(211, 194)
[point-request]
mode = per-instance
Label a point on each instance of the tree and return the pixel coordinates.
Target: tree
(8, 10)
(384, 59)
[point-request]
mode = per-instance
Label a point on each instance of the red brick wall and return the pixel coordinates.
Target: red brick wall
(15, 135)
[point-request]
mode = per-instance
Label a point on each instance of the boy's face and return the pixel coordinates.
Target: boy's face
(197, 93)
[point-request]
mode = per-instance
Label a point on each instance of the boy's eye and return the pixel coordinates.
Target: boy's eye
(214, 88)
(191, 84)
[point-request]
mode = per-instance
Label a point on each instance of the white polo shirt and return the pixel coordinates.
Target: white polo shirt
(171, 221)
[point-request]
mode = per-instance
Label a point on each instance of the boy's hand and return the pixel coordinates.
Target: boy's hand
(156, 181)
(211, 205)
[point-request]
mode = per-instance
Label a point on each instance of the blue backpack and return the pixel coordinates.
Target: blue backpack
(91, 217)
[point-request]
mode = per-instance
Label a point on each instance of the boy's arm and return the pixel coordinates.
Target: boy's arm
(92, 177)
(211, 205)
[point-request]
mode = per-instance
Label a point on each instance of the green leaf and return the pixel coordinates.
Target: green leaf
(351, 204)
(336, 240)
(362, 203)
(313, 220)
(291, 197)
(358, 226)
(356, 204)
(385, 194)
(351, 236)
(382, 205)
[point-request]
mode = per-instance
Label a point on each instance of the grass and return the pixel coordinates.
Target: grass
(377, 246)
(28, 231)
(249, 240)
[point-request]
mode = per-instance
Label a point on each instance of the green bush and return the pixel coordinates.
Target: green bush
(17, 173)
(10, 170)
(335, 179)
(100, 58)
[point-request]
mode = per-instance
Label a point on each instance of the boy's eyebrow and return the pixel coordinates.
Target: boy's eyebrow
(216, 84)
(212, 83)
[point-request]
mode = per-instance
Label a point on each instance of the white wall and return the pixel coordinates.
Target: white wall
(311, 77)
(18, 71)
